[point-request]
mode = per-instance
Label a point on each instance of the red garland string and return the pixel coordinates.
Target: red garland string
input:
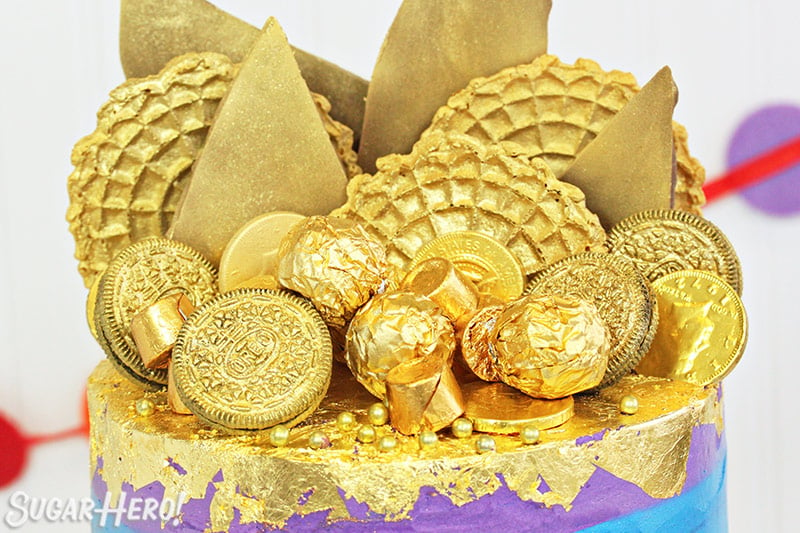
(754, 170)
(15, 446)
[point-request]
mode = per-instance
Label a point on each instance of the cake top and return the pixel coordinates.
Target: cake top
(493, 169)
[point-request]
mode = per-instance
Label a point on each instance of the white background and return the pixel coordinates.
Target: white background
(58, 61)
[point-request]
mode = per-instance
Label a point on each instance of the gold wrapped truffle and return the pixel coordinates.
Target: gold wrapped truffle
(551, 346)
(155, 328)
(476, 351)
(334, 263)
(392, 328)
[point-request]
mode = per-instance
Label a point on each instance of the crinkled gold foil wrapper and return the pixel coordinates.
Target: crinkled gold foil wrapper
(476, 351)
(392, 328)
(550, 346)
(334, 263)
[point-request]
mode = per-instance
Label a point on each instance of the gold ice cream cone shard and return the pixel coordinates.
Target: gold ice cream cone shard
(266, 151)
(152, 32)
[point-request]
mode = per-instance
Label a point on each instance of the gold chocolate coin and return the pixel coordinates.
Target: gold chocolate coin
(253, 250)
(252, 359)
(702, 331)
(665, 240)
(622, 297)
(498, 408)
(486, 262)
(142, 274)
(91, 306)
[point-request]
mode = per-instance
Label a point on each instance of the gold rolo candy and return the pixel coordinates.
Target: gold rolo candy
(423, 394)
(392, 328)
(334, 263)
(438, 279)
(551, 346)
(155, 328)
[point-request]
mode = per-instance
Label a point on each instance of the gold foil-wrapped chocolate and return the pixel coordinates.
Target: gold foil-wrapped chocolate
(253, 249)
(155, 328)
(422, 394)
(267, 151)
(498, 408)
(334, 263)
(553, 110)
(492, 267)
(392, 328)
(550, 346)
(456, 183)
(438, 279)
(702, 331)
(476, 350)
(619, 292)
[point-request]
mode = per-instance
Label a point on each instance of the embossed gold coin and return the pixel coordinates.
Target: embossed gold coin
(622, 297)
(702, 331)
(142, 274)
(498, 408)
(665, 240)
(253, 358)
(253, 250)
(91, 306)
(493, 268)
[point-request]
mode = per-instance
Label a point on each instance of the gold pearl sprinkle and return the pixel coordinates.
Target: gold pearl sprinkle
(461, 428)
(145, 407)
(346, 421)
(629, 405)
(378, 415)
(427, 438)
(318, 440)
(387, 443)
(529, 435)
(485, 444)
(366, 434)
(279, 436)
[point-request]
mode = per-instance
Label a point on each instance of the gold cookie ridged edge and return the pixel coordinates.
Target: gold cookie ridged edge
(637, 344)
(115, 334)
(733, 267)
(742, 344)
(215, 417)
(105, 345)
(87, 229)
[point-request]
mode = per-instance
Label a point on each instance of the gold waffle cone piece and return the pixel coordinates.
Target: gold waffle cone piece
(552, 110)
(130, 172)
(453, 182)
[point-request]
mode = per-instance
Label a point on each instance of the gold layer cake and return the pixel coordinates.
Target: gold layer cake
(516, 317)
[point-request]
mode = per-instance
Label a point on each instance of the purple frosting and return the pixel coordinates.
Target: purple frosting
(604, 497)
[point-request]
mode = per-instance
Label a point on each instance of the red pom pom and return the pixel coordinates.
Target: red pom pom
(13, 452)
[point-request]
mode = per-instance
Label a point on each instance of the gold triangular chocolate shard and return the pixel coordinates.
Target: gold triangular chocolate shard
(267, 150)
(629, 167)
(432, 50)
(152, 32)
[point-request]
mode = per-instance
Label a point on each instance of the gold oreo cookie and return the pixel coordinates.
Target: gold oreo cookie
(620, 293)
(142, 274)
(253, 358)
(663, 241)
